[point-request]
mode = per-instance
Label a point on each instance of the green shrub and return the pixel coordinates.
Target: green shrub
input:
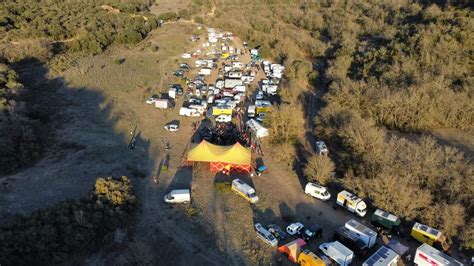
(167, 16)
(199, 20)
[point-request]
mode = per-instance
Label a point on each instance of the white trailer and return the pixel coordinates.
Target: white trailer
(244, 190)
(364, 233)
(352, 203)
(237, 65)
(162, 104)
(205, 71)
(337, 252)
(184, 111)
(427, 255)
(383, 257)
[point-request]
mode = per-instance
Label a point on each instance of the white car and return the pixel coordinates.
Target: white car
(265, 235)
(223, 118)
(152, 99)
(186, 56)
(321, 148)
(294, 228)
(172, 127)
(259, 95)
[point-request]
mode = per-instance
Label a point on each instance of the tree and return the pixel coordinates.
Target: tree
(319, 168)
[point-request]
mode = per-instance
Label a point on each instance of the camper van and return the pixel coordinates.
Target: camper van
(317, 191)
(387, 221)
(367, 235)
(244, 190)
(265, 235)
(178, 196)
(352, 203)
(430, 236)
(427, 255)
(383, 257)
(337, 252)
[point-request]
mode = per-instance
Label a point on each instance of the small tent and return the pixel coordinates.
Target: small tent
(236, 157)
(292, 249)
(397, 247)
(258, 129)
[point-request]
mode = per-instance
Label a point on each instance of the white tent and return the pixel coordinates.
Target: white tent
(258, 129)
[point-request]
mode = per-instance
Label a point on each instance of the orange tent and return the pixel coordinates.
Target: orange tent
(292, 249)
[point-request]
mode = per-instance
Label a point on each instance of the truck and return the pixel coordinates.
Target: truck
(383, 257)
(387, 221)
(337, 252)
(317, 191)
(427, 255)
(364, 233)
(244, 190)
(430, 236)
(178, 196)
(352, 203)
(350, 240)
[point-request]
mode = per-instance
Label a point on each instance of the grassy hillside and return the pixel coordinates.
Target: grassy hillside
(400, 66)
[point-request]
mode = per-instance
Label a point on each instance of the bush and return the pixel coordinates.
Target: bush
(167, 16)
(222, 187)
(319, 168)
(183, 14)
(199, 20)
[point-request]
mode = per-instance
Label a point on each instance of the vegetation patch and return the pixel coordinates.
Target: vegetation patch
(52, 235)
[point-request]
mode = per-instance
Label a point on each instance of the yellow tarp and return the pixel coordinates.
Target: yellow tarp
(208, 152)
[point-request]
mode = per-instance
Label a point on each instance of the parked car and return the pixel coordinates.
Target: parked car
(261, 117)
(178, 73)
(186, 56)
(294, 228)
(223, 118)
(277, 231)
(259, 95)
(265, 235)
(184, 67)
(311, 232)
(321, 148)
(172, 127)
(152, 99)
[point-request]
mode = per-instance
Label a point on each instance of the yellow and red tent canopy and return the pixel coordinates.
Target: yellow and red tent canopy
(207, 152)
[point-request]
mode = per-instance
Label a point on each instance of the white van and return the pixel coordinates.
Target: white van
(251, 111)
(189, 112)
(205, 71)
(178, 196)
(317, 191)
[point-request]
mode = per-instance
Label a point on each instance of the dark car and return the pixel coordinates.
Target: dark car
(276, 231)
(308, 233)
(178, 73)
(184, 67)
